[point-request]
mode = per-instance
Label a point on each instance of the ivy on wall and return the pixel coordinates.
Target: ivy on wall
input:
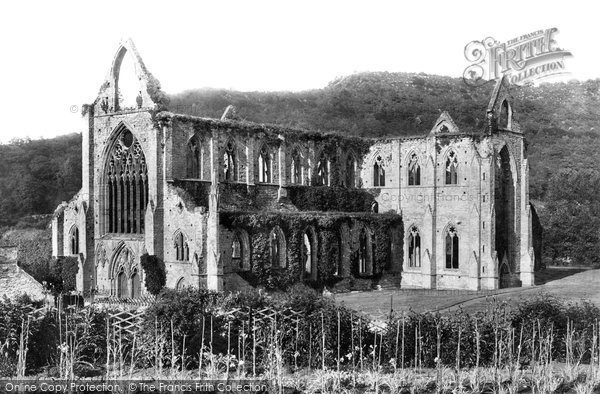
(154, 273)
(327, 227)
(323, 198)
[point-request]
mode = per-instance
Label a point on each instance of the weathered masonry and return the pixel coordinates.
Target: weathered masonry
(226, 204)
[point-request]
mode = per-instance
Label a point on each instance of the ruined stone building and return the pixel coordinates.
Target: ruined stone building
(225, 204)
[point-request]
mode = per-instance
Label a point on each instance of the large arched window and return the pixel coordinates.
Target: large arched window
(297, 170)
(182, 251)
(277, 248)
(237, 252)
(229, 162)
(451, 248)
(452, 169)
(264, 165)
(74, 240)
(194, 158)
(414, 171)
(414, 247)
(378, 172)
(351, 168)
(323, 170)
(126, 188)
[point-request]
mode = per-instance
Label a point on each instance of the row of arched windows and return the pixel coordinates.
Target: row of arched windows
(300, 169)
(277, 252)
(414, 171)
(451, 248)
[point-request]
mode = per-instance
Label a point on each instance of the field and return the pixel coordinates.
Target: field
(568, 284)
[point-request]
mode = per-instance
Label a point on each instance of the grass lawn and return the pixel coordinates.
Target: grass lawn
(573, 285)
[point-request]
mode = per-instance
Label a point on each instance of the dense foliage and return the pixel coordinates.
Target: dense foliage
(36, 175)
(154, 272)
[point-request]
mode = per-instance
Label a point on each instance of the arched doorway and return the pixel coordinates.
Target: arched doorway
(122, 284)
(136, 285)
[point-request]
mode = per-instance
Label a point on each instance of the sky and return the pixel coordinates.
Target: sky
(56, 54)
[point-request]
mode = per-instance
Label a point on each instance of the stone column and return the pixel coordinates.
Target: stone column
(282, 192)
(527, 275)
(214, 268)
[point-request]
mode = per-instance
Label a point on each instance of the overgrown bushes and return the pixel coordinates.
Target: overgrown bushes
(255, 332)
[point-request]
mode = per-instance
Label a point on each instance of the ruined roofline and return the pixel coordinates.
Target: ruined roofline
(254, 127)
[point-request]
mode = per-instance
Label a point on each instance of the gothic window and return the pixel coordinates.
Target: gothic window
(264, 165)
(351, 167)
(414, 171)
(323, 170)
(126, 193)
(414, 247)
(229, 163)
(277, 248)
(194, 159)
(237, 252)
(74, 240)
(363, 244)
(452, 169)
(504, 118)
(378, 172)
(182, 251)
(181, 284)
(296, 170)
(451, 248)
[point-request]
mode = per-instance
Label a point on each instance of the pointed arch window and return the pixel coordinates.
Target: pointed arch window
(307, 253)
(378, 172)
(296, 174)
(452, 169)
(277, 248)
(264, 165)
(182, 251)
(414, 247)
(229, 163)
(194, 158)
(351, 168)
(74, 240)
(181, 284)
(452, 248)
(126, 186)
(237, 252)
(504, 118)
(323, 170)
(414, 171)
(363, 244)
